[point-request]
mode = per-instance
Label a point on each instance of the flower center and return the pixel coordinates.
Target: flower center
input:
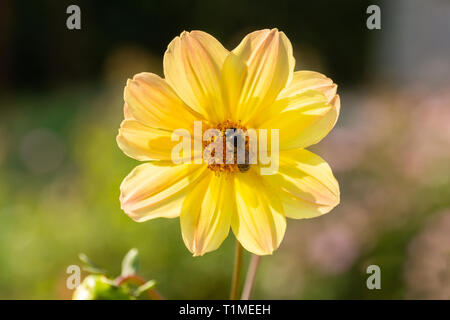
(228, 148)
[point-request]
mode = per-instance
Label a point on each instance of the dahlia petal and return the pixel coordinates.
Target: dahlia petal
(259, 223)
(150, 100)
(305, 184)
(309, 80)
(144, 143)
(157, 189)
(301, 123)
(233, 76)
(270, 65)
(127, 113)
(206, 214)
(192, 65)
(298, 130)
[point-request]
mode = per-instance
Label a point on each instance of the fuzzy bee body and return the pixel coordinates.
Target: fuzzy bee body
(237, 144)
(244, 167)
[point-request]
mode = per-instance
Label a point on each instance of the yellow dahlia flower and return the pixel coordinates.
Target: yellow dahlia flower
(252, 86)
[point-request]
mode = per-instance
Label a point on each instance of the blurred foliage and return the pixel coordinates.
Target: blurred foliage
(97, 287)
(128, 286)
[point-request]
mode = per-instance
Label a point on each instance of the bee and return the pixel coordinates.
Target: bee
(234, 138)
(237, 144)
(244, 167)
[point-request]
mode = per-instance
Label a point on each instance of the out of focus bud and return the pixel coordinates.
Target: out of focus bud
(98, 287)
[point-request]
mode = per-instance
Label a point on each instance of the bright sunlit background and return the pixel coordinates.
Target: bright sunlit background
(60, 168)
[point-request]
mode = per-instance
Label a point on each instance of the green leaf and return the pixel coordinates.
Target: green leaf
(98, 287)
(130, 263)
(90, 266)
(93, 270)
(146, 286)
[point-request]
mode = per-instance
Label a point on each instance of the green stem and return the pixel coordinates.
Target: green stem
(250, 279)
(236, 272)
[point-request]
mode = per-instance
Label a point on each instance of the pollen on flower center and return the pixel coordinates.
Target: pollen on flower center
(223, 149)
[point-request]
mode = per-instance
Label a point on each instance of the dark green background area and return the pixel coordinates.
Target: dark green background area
(40, 51)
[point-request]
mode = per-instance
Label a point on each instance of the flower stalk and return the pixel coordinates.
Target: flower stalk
(250, 279)
(236, 272)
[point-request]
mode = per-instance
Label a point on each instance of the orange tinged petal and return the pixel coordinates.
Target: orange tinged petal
(309, 80)
(150, 100)
(157, 189)
(270, 65)
(144, 143)
(192, 65)
(305, 111)
(305, 184)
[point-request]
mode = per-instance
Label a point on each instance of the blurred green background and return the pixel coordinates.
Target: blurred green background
(60, 168)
